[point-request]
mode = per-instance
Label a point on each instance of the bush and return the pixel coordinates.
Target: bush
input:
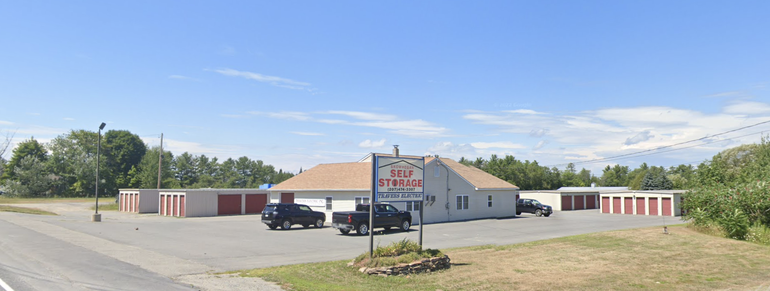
(733, 209)
(403, 251)
(735, 224)
(759, 233)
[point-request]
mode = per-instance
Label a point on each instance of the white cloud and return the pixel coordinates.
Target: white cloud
(3, 122)
(450, 150)
(747, 108)
(273, 80)
(499, 145)
(538, 132)
(613, 131)
(307, 133)
(364, 115)
(289, 115)
(69, 118)
(523, 111)
(640, 137)
(725, 94)
(372, 144)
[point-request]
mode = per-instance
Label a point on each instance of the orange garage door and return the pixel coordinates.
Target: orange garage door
(255, 203)
(653, 206)
(666, 206)
(162, 208)
(605, 205)
(628, 205)
(181, 206)
(591, 202)
(579, 202)
(229, 204)
(287, 197)
(616, 205)
(640, 206)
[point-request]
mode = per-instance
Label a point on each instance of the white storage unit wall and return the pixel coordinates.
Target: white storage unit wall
(138, 200)
(652, 202)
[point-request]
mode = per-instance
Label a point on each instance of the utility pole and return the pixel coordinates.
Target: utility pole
(160, 159)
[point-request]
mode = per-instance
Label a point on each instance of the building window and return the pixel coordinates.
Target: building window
(329, 203)
(462, 202)
(362, 200)
(489, 201)
(413, 206)
(436, 171)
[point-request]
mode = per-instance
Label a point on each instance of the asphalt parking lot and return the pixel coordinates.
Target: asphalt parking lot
(180, 246)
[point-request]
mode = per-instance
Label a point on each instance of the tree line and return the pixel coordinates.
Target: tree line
(532, 176)
(66, 167)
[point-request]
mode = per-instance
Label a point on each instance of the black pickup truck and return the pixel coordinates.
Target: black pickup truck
(533, 206)
(385, 216)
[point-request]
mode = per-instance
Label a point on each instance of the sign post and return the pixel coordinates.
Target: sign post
(397, 179)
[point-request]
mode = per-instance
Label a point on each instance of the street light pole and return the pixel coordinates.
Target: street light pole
(96, 217)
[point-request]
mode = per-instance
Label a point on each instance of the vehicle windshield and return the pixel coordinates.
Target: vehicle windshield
(535, 202)
(269, 208)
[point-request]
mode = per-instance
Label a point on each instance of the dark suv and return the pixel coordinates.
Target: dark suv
(533, 206)
(286, 214)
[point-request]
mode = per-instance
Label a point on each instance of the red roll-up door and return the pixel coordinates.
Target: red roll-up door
(628, 205)
(517, 197)
(136, 202)
(181, 206)
(653, 206)
(605, 205)
(640, 206)
(176, 205)
(121, 203)
(579, 202)
(287, 197)
(162, 205)
(616, 205)
(566, 202)
(590, 201)
(168, 206)
(229, 204)
(666, 206)
(255, 203)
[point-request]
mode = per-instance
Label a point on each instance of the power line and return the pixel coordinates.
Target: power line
(663, 147)
(676, 149)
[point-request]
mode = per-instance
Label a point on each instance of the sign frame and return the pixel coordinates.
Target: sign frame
(407, 186)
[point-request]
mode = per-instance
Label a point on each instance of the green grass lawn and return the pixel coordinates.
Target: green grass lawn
(7, 200)
(7, 208)
(637, 259)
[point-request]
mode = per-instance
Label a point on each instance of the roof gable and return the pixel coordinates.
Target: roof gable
(478, 178)
(358, 176)
(341, 176)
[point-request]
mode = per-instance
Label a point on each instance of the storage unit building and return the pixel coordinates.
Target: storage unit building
(138, 200)
(453, 191)
(211, 202)
(570, 198)
(650, 202)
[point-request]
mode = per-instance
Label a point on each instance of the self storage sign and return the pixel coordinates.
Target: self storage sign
(399, 179)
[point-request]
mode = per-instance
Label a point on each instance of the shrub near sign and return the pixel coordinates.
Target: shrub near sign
(399, 179)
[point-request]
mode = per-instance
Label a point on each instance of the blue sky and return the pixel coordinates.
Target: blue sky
(298, 83)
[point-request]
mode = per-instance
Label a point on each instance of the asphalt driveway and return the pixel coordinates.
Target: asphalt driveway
(173, 247)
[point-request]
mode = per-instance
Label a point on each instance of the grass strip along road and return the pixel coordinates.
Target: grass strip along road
(8, 208)
(617, 260)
